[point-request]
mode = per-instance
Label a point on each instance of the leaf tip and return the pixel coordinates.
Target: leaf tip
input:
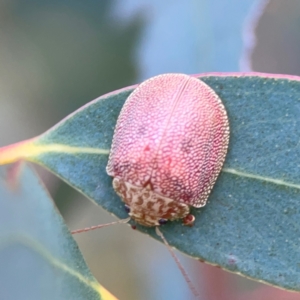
(105, 294)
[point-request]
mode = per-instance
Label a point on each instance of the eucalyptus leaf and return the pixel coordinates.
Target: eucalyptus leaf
(39, 258)
(209, 36)
(250, 224)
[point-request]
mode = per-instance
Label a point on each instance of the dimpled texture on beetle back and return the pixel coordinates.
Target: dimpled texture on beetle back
(173, 134)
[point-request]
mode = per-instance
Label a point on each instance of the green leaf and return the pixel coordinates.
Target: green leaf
(214, 41)
(250, 225)
(39, 258)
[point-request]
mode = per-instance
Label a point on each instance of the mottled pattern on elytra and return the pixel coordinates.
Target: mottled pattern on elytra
(147, 207)
(173, 133)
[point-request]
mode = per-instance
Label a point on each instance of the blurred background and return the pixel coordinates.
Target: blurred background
(57, 55)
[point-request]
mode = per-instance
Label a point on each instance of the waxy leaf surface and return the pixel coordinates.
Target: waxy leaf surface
(251, 222)
(39, 258)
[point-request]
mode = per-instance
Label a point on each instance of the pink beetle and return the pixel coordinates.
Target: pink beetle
(168, 148)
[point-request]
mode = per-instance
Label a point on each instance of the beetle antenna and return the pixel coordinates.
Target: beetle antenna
(100, 226)
(180, 266)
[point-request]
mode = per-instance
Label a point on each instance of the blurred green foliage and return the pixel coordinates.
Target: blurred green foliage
(55, 56)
